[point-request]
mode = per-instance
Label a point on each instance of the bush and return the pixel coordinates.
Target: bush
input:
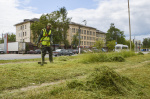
(117, 59)
(140, 53)
(106, 57)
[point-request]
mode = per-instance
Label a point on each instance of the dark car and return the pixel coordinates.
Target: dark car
(59, 52)
(2, 51)
(75, 51)
(38, 51)
(68, 52)
(31, 52)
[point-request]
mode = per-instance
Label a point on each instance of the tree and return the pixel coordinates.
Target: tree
(111, 45)
(146, 43)
(127, 42)
(75, 41)
(65, 21)
(60, 25)
(11, 38)
(99, 44)
(115, 34)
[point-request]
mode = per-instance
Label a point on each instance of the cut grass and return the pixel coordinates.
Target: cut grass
(14, 76)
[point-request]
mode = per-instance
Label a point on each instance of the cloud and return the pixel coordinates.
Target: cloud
(116, 11)
(11, 14)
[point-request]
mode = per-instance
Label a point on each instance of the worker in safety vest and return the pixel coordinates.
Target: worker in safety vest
(45, 38)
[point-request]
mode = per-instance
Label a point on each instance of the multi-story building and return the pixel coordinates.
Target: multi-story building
(101, 35)
(137, 45)
(88, 34)
(23, 30)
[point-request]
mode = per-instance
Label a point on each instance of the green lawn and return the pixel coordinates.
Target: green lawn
(14, 76)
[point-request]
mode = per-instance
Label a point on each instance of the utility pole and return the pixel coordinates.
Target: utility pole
(79, 39)
(129, 23)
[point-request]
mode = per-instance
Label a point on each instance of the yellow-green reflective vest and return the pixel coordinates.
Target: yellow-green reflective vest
(46, 37)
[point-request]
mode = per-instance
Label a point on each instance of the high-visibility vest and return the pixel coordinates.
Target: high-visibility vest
(46, 37)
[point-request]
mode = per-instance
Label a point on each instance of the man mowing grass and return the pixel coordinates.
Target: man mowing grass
(45, 38)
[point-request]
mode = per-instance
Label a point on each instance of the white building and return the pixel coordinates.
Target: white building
(23, 31)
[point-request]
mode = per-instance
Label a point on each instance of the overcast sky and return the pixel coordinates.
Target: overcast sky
(98, 13)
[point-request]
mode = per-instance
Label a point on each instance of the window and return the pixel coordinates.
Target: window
(81, 31)
(93, 38)
(81, 42)
(20, 27)
(85, 32)
(84, 37)
(23, 33)
(94, 33)
(90, 32)
(25, 26)
(77, 30)
(84, 43)
(73, 30)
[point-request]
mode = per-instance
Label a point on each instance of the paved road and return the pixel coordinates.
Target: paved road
(19, 56)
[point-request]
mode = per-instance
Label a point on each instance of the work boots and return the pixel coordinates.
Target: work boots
(43, 60)
(50, 58)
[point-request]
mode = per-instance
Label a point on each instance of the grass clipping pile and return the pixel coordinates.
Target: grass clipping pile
(106, 81)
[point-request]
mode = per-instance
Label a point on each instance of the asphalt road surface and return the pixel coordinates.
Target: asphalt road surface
(19, 56)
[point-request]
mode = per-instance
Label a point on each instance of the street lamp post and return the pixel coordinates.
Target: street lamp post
(129, 23)
(79, 39)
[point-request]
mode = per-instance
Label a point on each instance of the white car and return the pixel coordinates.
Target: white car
(1, 51)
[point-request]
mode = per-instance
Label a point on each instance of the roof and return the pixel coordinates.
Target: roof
(99, 31)
(73, 23)
(27, 20)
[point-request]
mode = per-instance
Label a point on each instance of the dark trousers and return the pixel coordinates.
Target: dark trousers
(44, 50)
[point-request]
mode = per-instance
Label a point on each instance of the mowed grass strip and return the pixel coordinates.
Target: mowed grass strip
(14, 76)
(77, 89)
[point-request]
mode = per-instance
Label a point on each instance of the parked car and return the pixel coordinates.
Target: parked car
(38, 51)
(1, 51)
(75, 51)
(67, 52)
(59, 52)
(31, 52)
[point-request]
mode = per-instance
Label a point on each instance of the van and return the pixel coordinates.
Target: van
(121, 47)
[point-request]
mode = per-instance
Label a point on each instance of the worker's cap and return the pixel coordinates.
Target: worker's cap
(48, 24)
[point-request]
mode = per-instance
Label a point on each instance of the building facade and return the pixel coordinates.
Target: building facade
(23, 30)
(88, 35)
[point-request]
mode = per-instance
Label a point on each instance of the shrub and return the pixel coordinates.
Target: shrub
(106, 57)
(140, 53)
(117, 59)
